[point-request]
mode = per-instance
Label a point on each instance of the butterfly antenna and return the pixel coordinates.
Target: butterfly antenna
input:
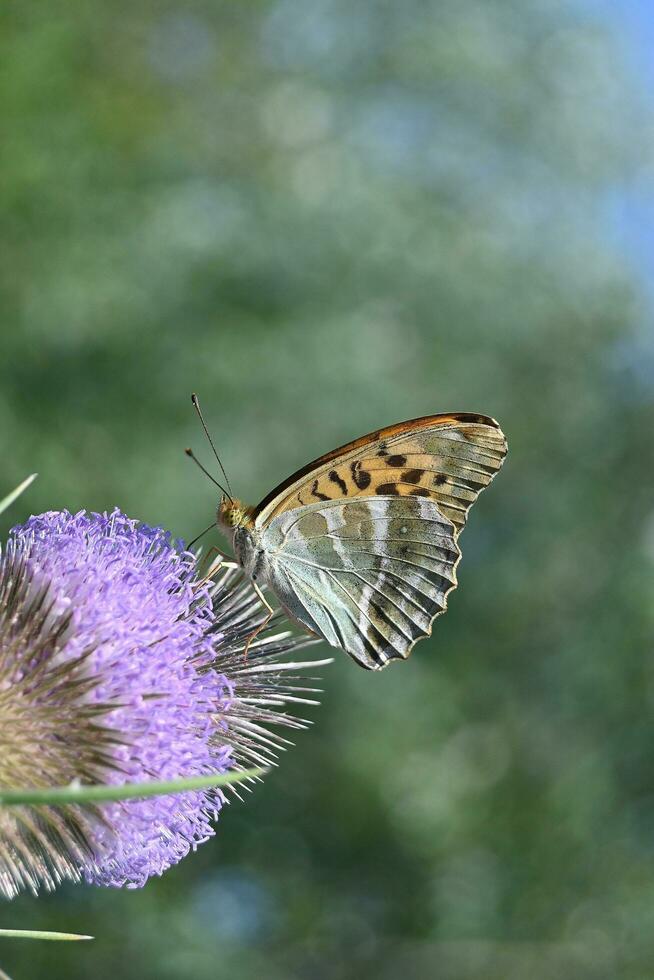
(196, 405)
(191, 455)
(200, 535)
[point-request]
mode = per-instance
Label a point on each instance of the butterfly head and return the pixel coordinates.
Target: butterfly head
(233, 513)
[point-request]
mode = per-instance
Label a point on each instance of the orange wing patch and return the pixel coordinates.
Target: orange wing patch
(448, 458)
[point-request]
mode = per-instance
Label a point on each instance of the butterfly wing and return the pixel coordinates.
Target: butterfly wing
(368, 575)
(448, 459)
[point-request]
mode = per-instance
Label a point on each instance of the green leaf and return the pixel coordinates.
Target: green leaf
(15, 494)
(58, 795)
(37, 934)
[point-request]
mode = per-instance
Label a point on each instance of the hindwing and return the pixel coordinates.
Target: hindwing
(368, 575)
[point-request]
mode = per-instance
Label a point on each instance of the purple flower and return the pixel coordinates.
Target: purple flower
(119, 663)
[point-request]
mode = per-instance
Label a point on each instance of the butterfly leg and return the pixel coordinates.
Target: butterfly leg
(222, 561)
(213, 550)
(263, 624)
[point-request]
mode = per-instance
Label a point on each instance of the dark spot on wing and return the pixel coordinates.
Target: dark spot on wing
(412, 476)
(419, 492)
(396, 461)
(360, 477)
(316, 493)
(387, 490)
(335, 478)
(440, 479)
(382, 451)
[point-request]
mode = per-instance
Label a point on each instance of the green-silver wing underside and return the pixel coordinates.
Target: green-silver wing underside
(369, 575)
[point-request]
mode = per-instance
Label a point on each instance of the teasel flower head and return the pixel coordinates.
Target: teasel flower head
(120, 663)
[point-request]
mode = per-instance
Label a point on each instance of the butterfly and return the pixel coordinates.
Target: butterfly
(361, 546)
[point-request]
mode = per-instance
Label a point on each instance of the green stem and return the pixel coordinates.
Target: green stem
(15, 494)
(37, 934)
(126, 791)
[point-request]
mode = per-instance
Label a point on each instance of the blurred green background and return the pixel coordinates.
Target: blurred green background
(327, 216)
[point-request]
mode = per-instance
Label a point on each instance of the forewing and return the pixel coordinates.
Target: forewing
(448, 459)
(369, 576)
